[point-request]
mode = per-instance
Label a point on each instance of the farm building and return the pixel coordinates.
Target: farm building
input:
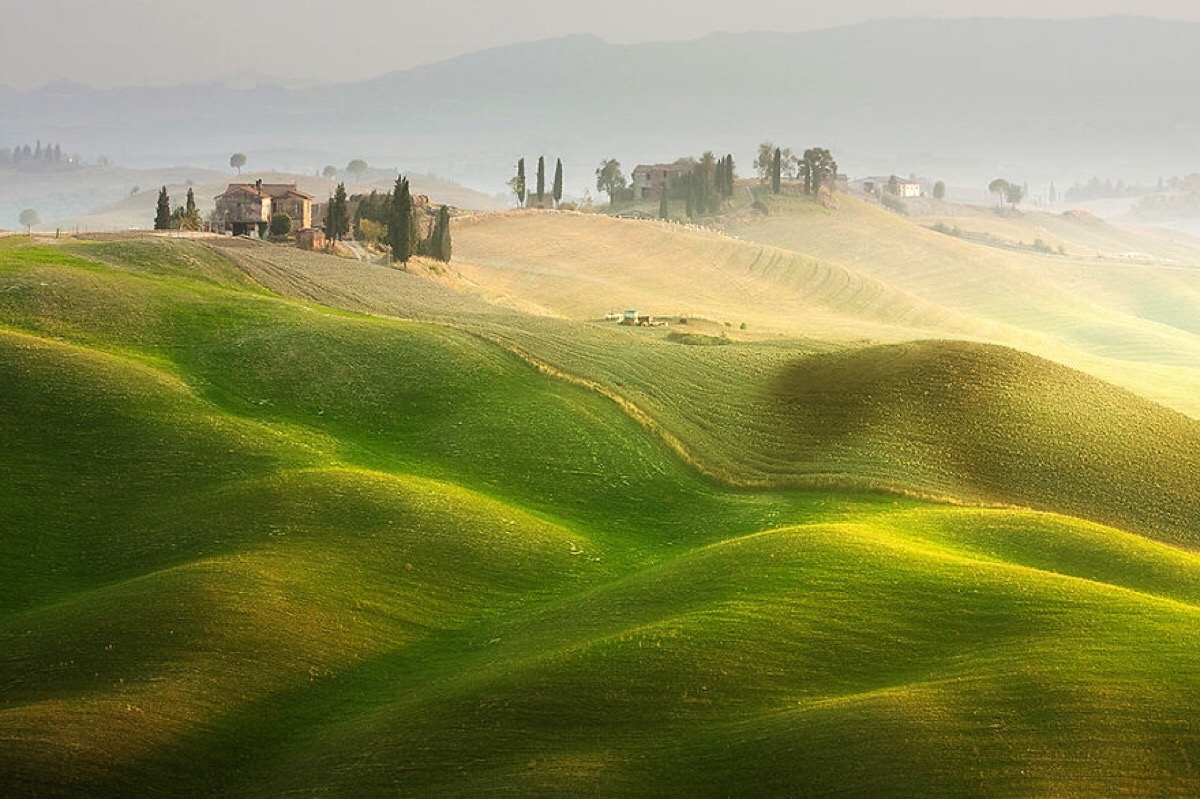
(873, 185)
(649, 181)
(310, 239)
(246, 208)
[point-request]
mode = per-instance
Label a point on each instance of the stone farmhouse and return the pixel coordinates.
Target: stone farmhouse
(245, 209)
(649, 181)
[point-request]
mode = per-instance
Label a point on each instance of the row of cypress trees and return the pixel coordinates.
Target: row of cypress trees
(520, 189)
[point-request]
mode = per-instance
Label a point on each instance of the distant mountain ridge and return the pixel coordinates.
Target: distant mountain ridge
(1036, 97)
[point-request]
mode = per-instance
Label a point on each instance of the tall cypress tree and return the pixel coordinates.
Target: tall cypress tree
(441, 249)
(521, 182)
(664, 205)
(401, 224)
(162, 218)
(777, 171)
(558, 180)
(337, 218)
(541, 180)
(414, 225)
(191, 214)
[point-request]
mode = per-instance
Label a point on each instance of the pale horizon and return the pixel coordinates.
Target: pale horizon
(132, 43)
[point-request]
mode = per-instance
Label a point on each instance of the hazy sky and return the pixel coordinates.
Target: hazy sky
(122, 42)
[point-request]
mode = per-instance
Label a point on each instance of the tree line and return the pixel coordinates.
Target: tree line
(708, 183)
(816, 167)
(37, 155)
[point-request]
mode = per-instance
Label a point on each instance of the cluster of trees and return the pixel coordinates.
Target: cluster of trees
(184, 217)
(1007, 191)
(393, 221)
(524, 194)
(816, 167)
(1097, 189)
(705, 188)
(50, 155)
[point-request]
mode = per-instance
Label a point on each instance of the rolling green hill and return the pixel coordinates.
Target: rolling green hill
(965, 421)
(256, 545)
(1129, 323)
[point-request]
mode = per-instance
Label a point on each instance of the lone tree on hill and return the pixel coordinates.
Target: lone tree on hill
(29, 218)
(162, 217)
(541, 181)
(329, 172)
(777, 171)
(939, 190)
(237, 161)
(558, 181)
(337, 217)
(402, 224)
(357, 168)
(609, 178)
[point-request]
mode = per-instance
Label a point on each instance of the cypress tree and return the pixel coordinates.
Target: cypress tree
(337, 218)
(414, 225)
(521, 182)
(777, 171)
(664, 207)
(541, 180)
(441, 236)
(162, 219)
(401, 224)
(558, 180)
(191, 214)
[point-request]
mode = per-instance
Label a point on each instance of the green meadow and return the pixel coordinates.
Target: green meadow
(278, 524)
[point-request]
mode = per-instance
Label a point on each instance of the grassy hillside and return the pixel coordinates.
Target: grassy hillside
(582, 266)
(258, 546)
(966, 421)
(1115, 320)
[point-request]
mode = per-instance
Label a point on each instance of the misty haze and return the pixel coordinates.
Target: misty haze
(674, 400)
